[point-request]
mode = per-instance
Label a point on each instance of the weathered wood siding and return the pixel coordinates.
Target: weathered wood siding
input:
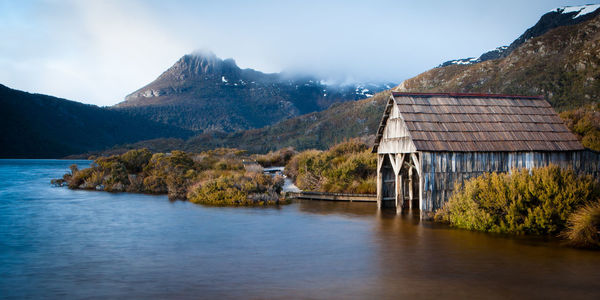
(441, 170)
(396, 138)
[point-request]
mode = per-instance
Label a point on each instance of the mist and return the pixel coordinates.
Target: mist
(99, 51)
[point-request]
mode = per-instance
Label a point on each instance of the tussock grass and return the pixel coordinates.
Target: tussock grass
(583, 227)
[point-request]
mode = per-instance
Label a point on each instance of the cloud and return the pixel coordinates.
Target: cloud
(99, 51)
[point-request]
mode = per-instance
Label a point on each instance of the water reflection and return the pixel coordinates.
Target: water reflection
(422, 259)
(58, 243)
(435, 261)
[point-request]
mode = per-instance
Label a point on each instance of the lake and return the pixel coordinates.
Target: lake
(64, 244)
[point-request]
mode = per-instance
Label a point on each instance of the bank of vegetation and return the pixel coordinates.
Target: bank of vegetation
(585, 123)
(216, 177)
(348, 167)
(277, 158)
(546, 201)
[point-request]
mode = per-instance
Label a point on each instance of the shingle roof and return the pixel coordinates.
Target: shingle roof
(481, 123)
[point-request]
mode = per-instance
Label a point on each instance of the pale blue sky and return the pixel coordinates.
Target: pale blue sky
(99, 51)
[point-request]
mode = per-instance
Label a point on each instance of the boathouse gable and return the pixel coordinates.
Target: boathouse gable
(428, 142)
(395, 137)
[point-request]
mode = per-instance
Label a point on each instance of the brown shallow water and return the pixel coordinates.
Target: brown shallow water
(58, 243)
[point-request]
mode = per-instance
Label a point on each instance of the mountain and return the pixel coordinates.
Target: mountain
(562, 64)
(40, 126)
(562, 16)
(204, 93)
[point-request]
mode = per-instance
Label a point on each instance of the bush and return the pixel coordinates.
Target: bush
(155, 185)
(78, 178)
(217, 176)
(585, 123)
(237, 189)
(583, 227)
(278, 158)
(348, 167)
(136, 160)
(537, 202)
(171, 174)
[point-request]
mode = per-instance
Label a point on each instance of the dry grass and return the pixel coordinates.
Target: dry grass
(583, 227)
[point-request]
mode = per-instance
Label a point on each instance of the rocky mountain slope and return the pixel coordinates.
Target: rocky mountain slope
(204, 93)
(40, 126)
(562, 64)
(562, 16)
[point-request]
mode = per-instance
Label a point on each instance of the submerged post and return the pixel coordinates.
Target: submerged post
(379, 180)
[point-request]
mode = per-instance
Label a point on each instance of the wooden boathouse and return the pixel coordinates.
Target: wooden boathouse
(428, 142)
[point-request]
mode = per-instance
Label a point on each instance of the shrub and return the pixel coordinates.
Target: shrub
(583, 227)
(236, 189)
(278, 158)
(348, 167)
(136, 160)
(585, 122)
(155, 185)
(217, 176)
(536, 202)
(78, 178)
(171, 174)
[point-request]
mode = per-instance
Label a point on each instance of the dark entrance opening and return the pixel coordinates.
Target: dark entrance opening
(410, 185)
(388, 199)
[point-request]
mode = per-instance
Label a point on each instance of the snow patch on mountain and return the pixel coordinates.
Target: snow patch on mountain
(580, 10)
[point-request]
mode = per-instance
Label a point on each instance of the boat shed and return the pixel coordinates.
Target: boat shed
(428, 142)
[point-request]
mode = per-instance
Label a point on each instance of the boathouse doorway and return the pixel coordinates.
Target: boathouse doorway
(388, 199)
(410, 190)
(400, 182)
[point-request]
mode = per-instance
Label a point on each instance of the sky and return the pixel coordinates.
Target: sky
(97, 52)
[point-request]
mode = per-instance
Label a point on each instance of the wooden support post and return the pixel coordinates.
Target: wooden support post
(379, 180)
(398, 183)
(421, 200)
(410, 188)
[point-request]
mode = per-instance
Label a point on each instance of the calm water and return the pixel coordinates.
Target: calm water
(58, 243)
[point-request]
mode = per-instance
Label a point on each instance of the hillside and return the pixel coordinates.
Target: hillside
(40, 126)
(319, 130)
(204, 93)
(562, 64)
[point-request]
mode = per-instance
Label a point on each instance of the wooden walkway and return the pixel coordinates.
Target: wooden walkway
(332, 196)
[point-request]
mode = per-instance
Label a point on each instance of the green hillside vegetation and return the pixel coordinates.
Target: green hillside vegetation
(539, 202)
(215, 177)
(348, 167)
(40, 126)
(585, 122)
(319, 130)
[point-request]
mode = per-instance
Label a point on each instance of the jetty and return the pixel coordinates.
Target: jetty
(332, 196)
